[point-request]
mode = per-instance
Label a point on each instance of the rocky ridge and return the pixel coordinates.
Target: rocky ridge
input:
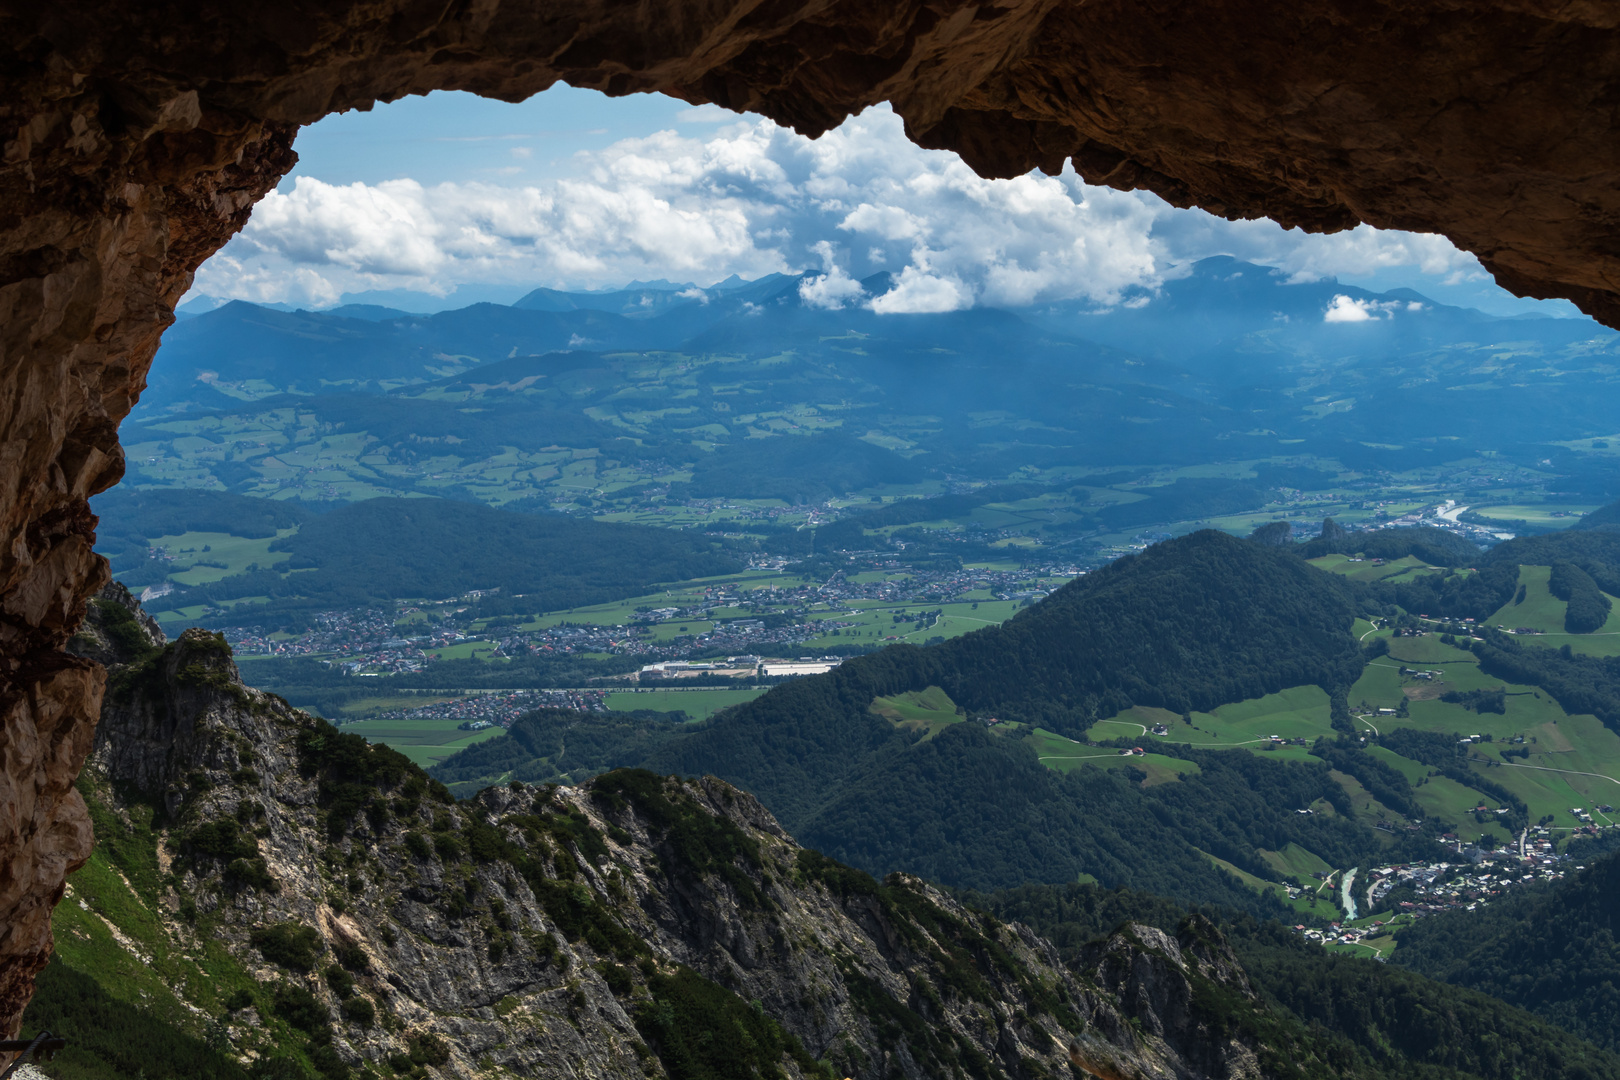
(378, 927)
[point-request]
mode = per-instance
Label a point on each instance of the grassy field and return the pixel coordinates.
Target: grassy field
(236, 553)
(1428, 649)
(1359, 569)
(465, 650)
(1065, 755)
(425, 741)
(698, 704)
(1306, 904)
(1298, 712)
(1574, 761)
(1368, 810)
(1562, 747)
(874, 623)
(1542, 516)
(1541, 610)
(1296, 862)
(930, 710)
(366, 708)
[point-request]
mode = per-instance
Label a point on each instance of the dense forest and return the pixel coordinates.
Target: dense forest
(131, 519)
(1190, 623)
(382, 550)
(1437, 547)
(1394, 1020)
(974, 809)
(1587, 609)
(1551, 950)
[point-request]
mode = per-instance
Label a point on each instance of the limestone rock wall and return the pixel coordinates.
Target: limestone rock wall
(135, 138)
(536, 930)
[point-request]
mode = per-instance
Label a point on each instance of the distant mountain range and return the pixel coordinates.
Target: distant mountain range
(1232, 361)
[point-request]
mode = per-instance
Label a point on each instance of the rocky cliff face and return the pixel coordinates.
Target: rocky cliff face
(638, 926)
(135, 139)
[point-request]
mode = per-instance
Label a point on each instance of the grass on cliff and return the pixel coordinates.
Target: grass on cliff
(133, 998)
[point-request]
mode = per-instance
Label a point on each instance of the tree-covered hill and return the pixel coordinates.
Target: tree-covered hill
(387, 549)
(1189, 624)
(1550, 950)
(1434, 546)
(979, 810)
(1602, 518)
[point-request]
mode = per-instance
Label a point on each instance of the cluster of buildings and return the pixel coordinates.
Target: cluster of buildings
(477, 712)
(1429, 888)
(771, 621)
(739, 667)
(361, 641)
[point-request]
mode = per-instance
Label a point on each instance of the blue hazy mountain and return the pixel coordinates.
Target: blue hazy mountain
(1229, 361)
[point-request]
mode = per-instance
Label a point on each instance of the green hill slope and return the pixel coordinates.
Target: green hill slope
(1551, 951)
(1193, 623)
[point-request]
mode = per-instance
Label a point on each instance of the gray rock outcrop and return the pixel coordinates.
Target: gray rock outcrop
(566, 932)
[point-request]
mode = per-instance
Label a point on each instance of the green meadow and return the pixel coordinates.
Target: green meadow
(425, 741)
(1308, 903)
(1296, 862)
(1066, 755)
(1359, 569)
(930, 710)
(203, 557)
(1541, 515)
(1541, 610)
(1298, 712)
(874, 622)
(1571, 758)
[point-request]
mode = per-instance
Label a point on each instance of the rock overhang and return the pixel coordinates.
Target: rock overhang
(135, 139)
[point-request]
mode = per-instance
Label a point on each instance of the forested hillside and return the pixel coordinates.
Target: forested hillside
(1394, 1019)
(1551, 951)
(975, 809)
(1189, 624)
(380, 550)
(1434, 546)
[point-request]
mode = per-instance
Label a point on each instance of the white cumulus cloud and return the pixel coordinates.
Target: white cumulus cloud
(751, 198)
(1346, 309)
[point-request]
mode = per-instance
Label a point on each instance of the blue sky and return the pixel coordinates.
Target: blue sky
(445, 200)
(452, 137)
